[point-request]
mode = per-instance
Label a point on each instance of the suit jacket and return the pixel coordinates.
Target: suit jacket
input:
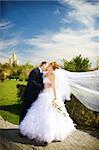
(34, 86)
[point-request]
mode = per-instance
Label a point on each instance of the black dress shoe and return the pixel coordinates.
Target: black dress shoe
(39, 143)
(45, 143)
(56, 141)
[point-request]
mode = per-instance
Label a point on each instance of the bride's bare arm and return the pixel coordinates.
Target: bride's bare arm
(53, 85)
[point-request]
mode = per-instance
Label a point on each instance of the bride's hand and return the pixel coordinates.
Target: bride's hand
(47, 85)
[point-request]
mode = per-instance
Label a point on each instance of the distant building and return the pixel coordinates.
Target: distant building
(13, 60)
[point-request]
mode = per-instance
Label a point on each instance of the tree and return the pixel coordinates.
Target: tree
(2, 75)
(77, 64)
(69, 65)
(4, 71)
(25, 71)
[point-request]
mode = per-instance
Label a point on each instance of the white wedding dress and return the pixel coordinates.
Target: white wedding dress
(44, 122)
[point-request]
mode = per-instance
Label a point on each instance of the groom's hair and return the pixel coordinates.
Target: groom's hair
(42, 63)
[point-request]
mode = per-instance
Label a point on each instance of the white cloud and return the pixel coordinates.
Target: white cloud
(5, 25)
(57, 11)
(67, 43)
(3, 57)
(64, 44)
(6, 43)
(82, 11)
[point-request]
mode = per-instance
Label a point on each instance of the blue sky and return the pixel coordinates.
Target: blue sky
(49, 30)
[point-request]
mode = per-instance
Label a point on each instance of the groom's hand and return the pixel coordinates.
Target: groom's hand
(47, 85)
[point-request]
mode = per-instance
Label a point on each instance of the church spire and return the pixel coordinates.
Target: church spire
(13, 60)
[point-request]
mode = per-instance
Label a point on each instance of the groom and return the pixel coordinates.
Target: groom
(33, 88)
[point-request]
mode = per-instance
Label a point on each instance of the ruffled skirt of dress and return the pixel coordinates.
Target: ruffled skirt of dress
(44, 123)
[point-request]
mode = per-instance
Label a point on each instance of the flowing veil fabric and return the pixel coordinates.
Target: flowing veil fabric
(83, 85)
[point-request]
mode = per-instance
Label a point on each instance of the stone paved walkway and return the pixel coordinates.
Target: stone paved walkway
(79, 140)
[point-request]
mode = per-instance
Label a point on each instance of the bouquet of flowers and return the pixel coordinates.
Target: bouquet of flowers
(57, 107)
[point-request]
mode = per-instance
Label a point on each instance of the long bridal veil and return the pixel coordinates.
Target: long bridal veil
(83, 85)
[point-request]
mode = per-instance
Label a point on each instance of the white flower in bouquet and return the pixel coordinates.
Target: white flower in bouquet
(56, 105)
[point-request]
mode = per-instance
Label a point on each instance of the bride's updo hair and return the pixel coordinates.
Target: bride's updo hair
(54, 65)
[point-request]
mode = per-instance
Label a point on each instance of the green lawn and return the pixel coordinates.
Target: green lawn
(9, 106)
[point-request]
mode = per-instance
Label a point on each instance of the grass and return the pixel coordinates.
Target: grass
(9, 106)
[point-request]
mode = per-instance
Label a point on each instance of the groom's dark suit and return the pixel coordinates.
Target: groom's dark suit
(33, 88)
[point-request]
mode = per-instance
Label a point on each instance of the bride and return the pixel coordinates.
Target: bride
(47, 119)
